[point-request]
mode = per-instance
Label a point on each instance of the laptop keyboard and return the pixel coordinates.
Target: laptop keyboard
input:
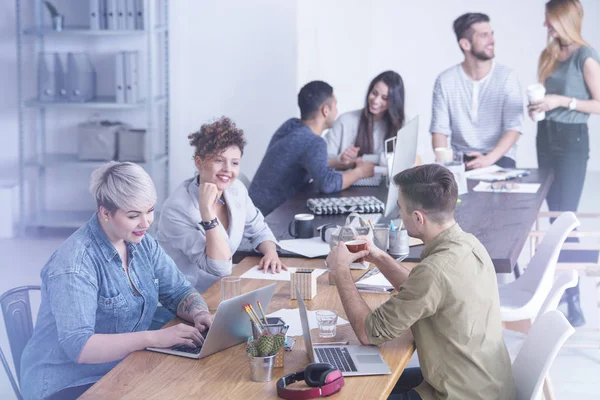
(339, 357)
(191, 350)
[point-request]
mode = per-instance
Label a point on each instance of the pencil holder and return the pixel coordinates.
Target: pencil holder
(279, 361)
(305, 279)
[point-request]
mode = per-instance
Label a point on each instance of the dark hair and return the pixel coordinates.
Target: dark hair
(462, 25)
(312, 96)
(212, 139)
(429, 187)
(394, 116)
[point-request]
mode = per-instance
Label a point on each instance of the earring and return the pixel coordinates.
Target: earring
(105, 219)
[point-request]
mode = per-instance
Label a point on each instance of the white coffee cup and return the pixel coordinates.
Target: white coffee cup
(443, 155)
(536, 93)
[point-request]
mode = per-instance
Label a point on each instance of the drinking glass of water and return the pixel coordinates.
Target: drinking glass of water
(327, 321)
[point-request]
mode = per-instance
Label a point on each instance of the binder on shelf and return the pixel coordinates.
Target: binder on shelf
(103, 14)
(139, 14)
(81, 82)
(130, 14)
(120, 13)
(61, 76)
(120, 77)
(111, 14)
(131, 77)
(46, 83)
(94, 14)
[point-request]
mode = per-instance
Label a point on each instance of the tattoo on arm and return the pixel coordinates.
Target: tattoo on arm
(191, 301)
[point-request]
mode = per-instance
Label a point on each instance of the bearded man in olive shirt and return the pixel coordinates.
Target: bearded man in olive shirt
(449, 300)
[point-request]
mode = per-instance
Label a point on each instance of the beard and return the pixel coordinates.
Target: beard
(481, 55)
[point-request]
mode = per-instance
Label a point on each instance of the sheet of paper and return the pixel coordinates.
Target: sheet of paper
(292, 318)
(255, 273)
(414, 241)
(495, 173)
(511, 188)
(375, 280)
(310, 248)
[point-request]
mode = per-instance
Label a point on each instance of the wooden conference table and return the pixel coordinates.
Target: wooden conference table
(501, 221)
(226, 374)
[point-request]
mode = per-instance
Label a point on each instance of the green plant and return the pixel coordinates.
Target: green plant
(266, 345)
(53, 11)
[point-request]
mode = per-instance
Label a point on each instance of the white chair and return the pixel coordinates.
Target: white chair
(565, 280)
(547, 335)
(522, 299)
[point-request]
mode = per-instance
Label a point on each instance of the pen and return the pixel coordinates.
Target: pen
(220, 201)
(392, 227)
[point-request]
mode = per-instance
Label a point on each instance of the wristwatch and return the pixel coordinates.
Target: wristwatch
(208, 225)
(573, 104)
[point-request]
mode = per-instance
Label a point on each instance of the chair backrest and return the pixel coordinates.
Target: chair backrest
(547, 335)
(539, 274)
(16, 308)
(244, 179)
(565, 280)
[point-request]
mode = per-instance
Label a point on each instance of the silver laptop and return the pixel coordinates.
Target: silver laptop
(353, 360)
(231, 325)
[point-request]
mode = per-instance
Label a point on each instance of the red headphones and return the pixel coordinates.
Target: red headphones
(324, 378)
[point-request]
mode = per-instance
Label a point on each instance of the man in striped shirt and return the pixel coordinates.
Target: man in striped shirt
(478, 103)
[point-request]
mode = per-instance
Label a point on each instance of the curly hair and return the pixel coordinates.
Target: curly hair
(212, 139)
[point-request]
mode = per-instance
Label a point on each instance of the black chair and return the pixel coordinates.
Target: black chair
(16, 308)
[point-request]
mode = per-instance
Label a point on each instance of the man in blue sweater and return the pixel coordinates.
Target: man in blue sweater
(296, 158)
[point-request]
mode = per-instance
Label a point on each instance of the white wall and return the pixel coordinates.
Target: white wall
(348, 43)
(234, 58)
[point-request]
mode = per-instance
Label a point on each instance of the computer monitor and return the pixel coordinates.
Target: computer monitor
(405, 153)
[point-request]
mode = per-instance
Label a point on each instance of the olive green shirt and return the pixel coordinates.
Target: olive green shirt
(451, 302)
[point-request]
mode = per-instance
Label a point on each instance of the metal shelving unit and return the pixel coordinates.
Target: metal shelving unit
(156, 155)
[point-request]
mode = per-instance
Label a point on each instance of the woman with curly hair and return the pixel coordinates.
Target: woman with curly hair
(205, 219)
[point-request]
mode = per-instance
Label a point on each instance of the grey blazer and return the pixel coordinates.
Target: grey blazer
(183, 238)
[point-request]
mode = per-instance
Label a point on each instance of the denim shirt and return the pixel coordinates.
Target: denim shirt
(85, 290)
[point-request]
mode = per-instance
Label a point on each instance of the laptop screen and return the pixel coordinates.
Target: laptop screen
(305, 327)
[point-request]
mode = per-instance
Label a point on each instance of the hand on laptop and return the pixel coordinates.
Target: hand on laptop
(176, 335)
(271, 260)
(203, 321)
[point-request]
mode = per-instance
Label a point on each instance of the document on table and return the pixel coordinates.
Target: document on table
(494, 173)
(375, 281)
(310, 248)
(255, 273)
(292, 318)
(530, 188)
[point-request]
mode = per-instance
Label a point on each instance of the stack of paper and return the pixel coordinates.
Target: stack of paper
(494, 173)
(255, 273)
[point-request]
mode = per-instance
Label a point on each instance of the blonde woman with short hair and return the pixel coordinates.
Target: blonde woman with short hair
(570, 70)
(100, 290)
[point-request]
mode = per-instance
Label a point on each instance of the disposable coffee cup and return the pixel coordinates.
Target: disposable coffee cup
(356, 246)
(535, 94)
(443, 155)
(302, 226)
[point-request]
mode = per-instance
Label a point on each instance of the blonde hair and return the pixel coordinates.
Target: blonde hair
(122, 185)
(565, 16)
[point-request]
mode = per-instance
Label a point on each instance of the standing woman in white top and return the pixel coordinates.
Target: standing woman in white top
(361, 132)
(203, 222)
(570, 70)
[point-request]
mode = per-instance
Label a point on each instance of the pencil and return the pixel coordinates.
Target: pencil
(252, 317)
(262, 312)
(254, 313)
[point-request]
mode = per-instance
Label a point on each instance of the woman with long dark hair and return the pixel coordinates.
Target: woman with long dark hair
(361, 132)
(570, 70)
